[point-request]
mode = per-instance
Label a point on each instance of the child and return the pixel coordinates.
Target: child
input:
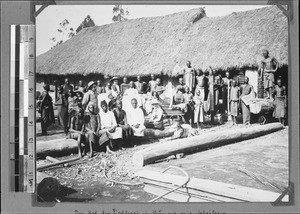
(199, 110)
(92, 127)
(77, 130)
(280, 102)
(234, 101)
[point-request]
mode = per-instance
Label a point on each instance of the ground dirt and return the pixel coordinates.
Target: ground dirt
(265, 156)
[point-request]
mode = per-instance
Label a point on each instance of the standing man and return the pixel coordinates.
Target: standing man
(280, 102)
(226, 91)
(189, 76)
(80, 87)
(62, 108)
(218, 91)
(139, 84)
(151, 84)
(124, 85)
(234, 101)
(46, 110)
(267, 69)
(99, 88)
(180, 87)
(247, 91)
(90, 97)
(67, 87)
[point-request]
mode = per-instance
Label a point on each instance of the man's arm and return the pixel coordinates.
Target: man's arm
(72, 126)
(85, 100)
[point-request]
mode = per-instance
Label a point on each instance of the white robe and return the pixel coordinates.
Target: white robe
(108, 120)
(129, 94)
(136, 116)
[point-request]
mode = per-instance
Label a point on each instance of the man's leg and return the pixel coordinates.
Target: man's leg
(79, 144)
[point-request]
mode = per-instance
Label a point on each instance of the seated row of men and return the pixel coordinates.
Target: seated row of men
(101, 127)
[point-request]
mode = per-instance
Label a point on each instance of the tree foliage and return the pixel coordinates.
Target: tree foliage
(87, 22)
(63, 33)
(119, 13)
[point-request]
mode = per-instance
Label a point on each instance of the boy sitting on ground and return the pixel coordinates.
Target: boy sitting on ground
(92, 128)
(77, 130)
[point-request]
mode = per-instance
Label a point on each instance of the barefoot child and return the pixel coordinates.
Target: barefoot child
(280, 102)
(234, 100)
(199, 110)
(77, 130)
(92, 128)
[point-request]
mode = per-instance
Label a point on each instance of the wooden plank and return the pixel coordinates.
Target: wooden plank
(51, 159)
(57, 163)
(174, 196)
(192, 144)
(213, 187)
(187, 193)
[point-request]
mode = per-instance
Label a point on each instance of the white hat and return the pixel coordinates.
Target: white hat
(90, 84)
(154, 101)
(115, 78)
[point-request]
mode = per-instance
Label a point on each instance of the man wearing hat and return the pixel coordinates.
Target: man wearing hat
(90, 97)
(115, 86)
(155, 121)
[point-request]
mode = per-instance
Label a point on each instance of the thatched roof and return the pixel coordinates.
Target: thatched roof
(161, 45)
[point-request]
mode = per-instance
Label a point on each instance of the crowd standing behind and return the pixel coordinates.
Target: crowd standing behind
(97, 116)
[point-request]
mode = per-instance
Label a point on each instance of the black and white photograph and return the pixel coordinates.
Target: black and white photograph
(162, 103)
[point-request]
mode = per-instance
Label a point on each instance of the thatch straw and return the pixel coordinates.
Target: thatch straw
(161, 45)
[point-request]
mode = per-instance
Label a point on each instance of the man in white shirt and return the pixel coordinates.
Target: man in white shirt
(156, 117)
(136, 119)
(109, 124)
(129, 94)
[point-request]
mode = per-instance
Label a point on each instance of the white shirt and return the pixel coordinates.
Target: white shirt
(135, 116)
(107, 119)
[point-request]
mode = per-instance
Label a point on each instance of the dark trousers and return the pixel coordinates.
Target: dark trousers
(63, 118)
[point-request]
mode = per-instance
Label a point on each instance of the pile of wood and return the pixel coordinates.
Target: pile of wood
(201, 190)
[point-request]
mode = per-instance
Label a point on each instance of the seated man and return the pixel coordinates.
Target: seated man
(109, 124)
(121, 119)
(92, 128)
(129, 94)
(77, 130)
(181, 86)
(156, 117)
(136, 119)
(158, 89)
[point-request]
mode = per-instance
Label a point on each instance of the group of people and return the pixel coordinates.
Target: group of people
(95, 117)
(99, 115)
